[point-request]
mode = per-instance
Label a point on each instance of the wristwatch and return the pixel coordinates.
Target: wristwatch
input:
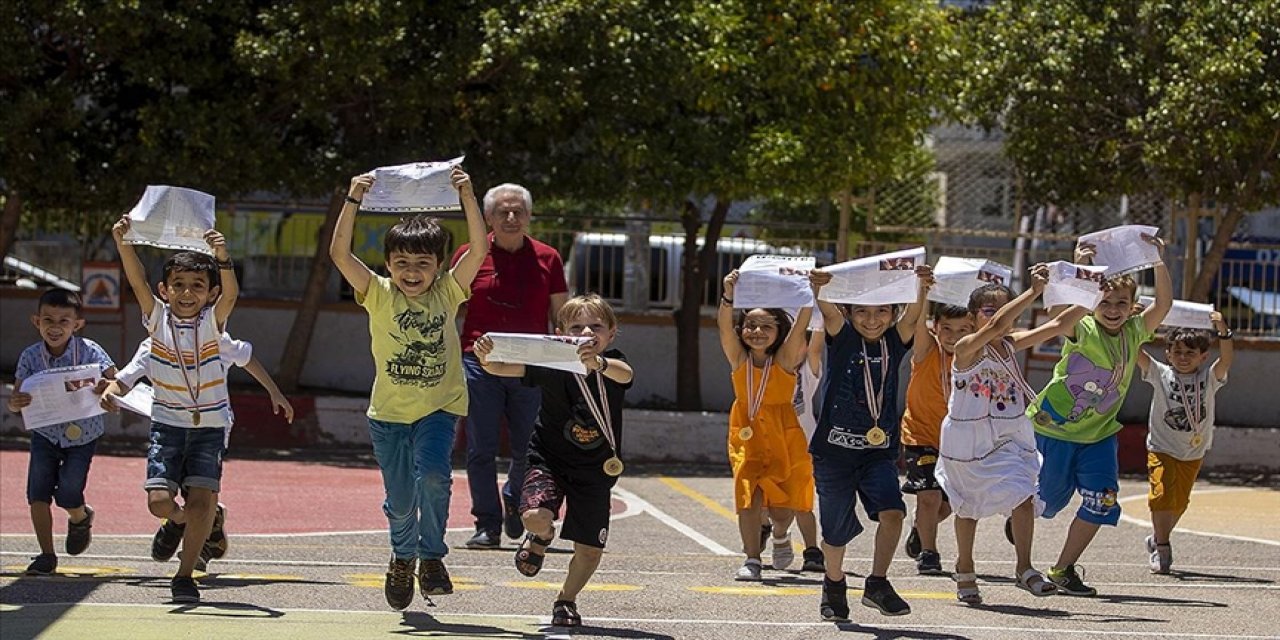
(1231, 333)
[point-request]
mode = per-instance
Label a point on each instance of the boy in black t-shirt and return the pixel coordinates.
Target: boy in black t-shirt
(574, 453)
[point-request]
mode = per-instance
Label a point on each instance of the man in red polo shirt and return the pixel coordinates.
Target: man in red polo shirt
(519, 289)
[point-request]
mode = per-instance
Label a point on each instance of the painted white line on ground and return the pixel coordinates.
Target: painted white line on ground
(542, 619)
(1124, 517)
(690, 532)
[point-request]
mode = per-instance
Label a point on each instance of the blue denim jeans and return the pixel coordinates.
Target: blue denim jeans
(185, 457)
(54, 473)
(492, 398)
(418, 478)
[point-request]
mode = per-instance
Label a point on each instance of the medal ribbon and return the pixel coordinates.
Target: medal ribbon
(1192, 405)
(599, 411)
(194, 391)
(875, 398)
(1014, 372)
(755, 397)
(75, 354)
(1118, 364)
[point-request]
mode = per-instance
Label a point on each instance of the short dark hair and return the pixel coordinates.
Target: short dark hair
(1197, 339)
(61, 298)
(784, 326)
(986, 293)
(192, 262)
(418, 234)
(942, 311)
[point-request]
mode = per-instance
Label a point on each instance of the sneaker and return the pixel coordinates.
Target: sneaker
(433, 578)
(485, 540)
(216, 544)
(766, 532)
(912, 547)
(202, 560)
(813, 560)
(166, 541)
(783, 554)
(879, 594)
(834, 606)
(399, 585)
(1070, 583)
(512, 524)
(929, 563)
(749, 571)
(80, 534)
(43, 565)
(184, 590)
(1161, 556)
(1008, 530)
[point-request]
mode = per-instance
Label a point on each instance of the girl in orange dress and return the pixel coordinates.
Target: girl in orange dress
(767, 447)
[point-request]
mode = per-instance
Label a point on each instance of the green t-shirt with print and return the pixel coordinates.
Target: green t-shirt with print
(1089, 383)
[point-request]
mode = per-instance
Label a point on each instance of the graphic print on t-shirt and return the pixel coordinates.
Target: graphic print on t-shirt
(581, 429)
(1176, 417)
(420, 358)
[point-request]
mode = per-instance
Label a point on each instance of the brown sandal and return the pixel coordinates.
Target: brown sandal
(528, 561)
(564, 613)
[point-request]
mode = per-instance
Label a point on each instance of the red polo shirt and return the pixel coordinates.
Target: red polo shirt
(512, 291)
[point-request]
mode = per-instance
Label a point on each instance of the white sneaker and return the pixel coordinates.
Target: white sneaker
(749, 571)
(783, 554)
(1161, 556)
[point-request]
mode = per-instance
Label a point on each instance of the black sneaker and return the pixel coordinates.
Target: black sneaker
(879, 594)
(912, 547)
(485, 540)
(1008, 530)
(166, 541)
(1070, 583)
(433, 578)
(929, 563)
(813, 560)
(43, 565)
(80, 534)
(399, 585)
(216, 543)
(834, 606)
(184, 590)
(512, 524)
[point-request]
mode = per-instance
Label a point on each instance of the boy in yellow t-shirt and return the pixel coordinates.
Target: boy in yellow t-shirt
(419, 390)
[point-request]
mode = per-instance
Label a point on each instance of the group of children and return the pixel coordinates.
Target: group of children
(813, 412)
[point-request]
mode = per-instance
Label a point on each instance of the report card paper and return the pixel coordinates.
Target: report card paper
(888, 278)
(1122, 250)
(553, 352)
(1194, 315)
(774, 281)
(1073, 284)
(420, 186)
(956, 278)
(171, 218)
(61, 395)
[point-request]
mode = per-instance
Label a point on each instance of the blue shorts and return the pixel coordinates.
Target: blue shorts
(1092, 469)
(840, 485)
(54, 473)
(184, 457)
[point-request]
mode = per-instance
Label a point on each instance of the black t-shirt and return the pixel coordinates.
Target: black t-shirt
(566, 435)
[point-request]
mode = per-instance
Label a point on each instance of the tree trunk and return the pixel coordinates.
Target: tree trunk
(1212, 261)
(295, 348)
(9, 221)
(695, 266)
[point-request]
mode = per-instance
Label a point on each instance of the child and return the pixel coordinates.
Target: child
(927, 393)
(855, 449)
(988, 462)
(1180, 430)
(771, 468)
(191, 407)
(60, 454)
(1075, 414)
(418, 390)
(574, 454)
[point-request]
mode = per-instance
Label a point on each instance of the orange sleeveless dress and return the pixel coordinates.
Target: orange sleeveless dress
(776, 458)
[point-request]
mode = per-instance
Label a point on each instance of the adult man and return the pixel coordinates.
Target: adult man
(519, 288)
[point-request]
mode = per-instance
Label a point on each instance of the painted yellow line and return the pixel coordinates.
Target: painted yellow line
(809, 591)
(555, 586)
(686, 490)
(77, 572)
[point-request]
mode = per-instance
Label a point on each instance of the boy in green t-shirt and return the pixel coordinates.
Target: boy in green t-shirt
(1075, 415)
(418, 390)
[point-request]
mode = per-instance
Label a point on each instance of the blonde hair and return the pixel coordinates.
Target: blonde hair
(1125, 281)
(587, 303)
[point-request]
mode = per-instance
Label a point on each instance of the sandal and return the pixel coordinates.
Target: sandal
(529, 562)
(967, 595)
(1036, 584)
(564, 613)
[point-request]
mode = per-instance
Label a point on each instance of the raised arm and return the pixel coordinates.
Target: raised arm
(278, 401)
(791, 355)
(729, 342)
(230, 287)
(968, 348)
(907, 323)
(832, 318)
(1226, 347)
(923, 343)
(464, 271)
(356, 272)
(1144, 360)
(614, 369)
(1153, 315)
(133, 270)
(1063, 324)
(813, 358)
(482, 347)
(1083, 255)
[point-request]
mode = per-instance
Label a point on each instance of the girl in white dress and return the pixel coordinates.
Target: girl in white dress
(988, 463)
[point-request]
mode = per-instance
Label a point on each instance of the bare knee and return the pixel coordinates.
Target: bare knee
(588, 553)
(199, 501)
(537, 519)
(891, 517)
(929, 500)
(160, 503)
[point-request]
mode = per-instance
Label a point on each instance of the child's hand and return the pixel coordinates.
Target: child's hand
(462, 182)
(279, 402)
(1085, 251)
(19, 400)
(1218, 322)
(1039, 276)
(1156, 241)
(360, 185)
(218, 243)
(730, 281)
(482, 347)
(590, 359)
(818, 279)
(120, 228)
(924, 273)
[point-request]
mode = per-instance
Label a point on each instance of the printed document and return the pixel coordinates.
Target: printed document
(64, 394)
(1122, 250)
(956, 278)
(172, 218)
(774, 281)
(1074, 284)
(889, 278)
(420, 186)
(553, 352)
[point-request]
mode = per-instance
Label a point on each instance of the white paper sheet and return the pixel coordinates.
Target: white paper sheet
(1122, 250)
(553, 352)
(956, 278)
(774, 281)
(172, 218)
(888, 278)
(138, 400)
(1075, 284)
(61, 395)
(420, 186)
(1194, 315)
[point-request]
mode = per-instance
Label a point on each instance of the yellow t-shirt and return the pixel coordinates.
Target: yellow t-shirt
(416, 350)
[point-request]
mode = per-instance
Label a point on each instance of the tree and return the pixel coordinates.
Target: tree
(1102, 99)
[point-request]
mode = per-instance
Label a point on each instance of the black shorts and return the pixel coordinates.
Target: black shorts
(588, 498)
(920, 464)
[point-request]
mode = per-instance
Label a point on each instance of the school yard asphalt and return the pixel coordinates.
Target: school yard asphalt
(308, 550)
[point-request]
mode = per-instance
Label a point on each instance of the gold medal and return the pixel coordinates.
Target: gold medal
(1043, 419)
(876, 436)
(73, 431)
(745, 433)
(613, 466)
(195, 418)
(1196, 440)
